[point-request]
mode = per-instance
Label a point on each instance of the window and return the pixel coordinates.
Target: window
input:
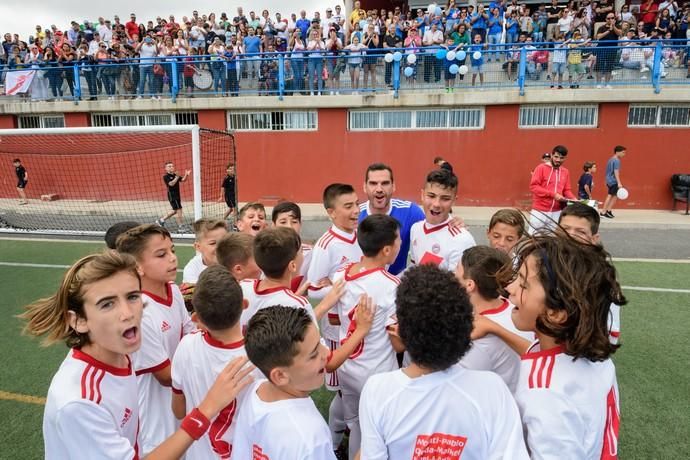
(664, 116)
(144, 119)
(555, 116)
(273, 121)
(459, 118)
(41, 121)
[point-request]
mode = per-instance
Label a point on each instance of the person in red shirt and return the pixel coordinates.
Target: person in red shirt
(131, 27)
(648, 14)
(550, 187)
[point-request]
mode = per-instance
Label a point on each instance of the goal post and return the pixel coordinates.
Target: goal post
(82, 180)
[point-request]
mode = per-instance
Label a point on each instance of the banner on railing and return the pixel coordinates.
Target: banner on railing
(18, 81)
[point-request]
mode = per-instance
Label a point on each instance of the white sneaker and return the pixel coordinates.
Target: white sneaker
(153, 98)
(139, 97)
(644, 69)
(609, 87)
(599, 87)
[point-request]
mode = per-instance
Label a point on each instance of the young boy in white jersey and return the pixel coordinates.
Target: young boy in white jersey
(506, 228)
(379, 237)
(164, 323)
(201, 356)
(235, 251)
(477, 274)
(337, 247)
(92, 408)
(434, 241)
(251, 218)
(278, 254)
(207, 234)
(278, 420)
(434, 408)
(289, 214)
(567, 391)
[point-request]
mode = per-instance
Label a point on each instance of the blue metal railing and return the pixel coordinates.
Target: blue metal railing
(653, 64)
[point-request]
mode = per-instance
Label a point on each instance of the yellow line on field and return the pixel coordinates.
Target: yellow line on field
(7, 396)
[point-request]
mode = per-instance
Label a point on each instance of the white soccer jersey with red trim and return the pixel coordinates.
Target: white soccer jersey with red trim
(439, 244)
(332, 251)
(568, 406)
(291, 429)
(258, 299)
(614, 323)
(453, 414)
(91, 411)
(163, 324)
(375, 353)
(490, 353)
(197, 362)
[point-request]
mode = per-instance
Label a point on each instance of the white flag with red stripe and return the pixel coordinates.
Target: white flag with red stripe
(18, 81)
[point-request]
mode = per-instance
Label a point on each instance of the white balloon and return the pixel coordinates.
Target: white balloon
(411, 58)
(450, 55)
(388, 57)
(622, 193)
(463, 70)
(431, 8)
(477, 55)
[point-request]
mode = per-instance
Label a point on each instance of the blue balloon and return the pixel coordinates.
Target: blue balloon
(453, 69)
(460, 55)
(441, 54)
(408, 71)
(397, 56)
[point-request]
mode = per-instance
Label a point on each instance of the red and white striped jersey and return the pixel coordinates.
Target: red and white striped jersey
(375, 353)
(490, 353)
(332, 251)
(196, 365)
(258, 299)
(439, 244)
(163, 324)
(289, 429)
(452, 414)
(304, 269)
(614, 323)
(568, 406)
(91, 411)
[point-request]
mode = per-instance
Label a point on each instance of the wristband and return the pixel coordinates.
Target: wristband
(195, 424)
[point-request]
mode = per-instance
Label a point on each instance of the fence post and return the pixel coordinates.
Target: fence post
(656, 71)
(281, 76)
(522, 70)
(77, 83)
(396, 75)
(175, 87)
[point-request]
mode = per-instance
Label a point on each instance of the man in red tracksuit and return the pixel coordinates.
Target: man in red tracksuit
(550, 187)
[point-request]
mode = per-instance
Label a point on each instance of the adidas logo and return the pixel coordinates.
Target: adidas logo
(165, 326)
(127, 416)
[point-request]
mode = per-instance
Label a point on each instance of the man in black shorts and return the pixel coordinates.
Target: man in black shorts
(172, 181)
(227, 191)
(22, 179)
(607, 35)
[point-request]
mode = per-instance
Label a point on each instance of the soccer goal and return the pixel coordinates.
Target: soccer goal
(80, 181)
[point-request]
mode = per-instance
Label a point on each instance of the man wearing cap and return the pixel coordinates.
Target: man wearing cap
(328, 22)
(550, 187)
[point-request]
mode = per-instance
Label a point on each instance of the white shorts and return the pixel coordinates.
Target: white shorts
(350, 408)
(542, 220)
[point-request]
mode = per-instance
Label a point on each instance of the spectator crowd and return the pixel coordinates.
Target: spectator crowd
(138, 58)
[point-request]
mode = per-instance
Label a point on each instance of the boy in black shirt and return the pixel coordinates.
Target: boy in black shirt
(227, 191)
(172, 181)
(22, 179)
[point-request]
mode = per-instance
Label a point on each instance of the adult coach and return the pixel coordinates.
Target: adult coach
(550, 187)
(172, 181)
(613, 180)
(22, 179)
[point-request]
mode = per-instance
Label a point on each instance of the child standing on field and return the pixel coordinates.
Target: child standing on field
(22, 180)
(227, 191)
(172, 182)
(164, 323)
(586, 182)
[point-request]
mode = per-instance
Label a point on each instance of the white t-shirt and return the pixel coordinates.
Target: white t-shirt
(490, 353)
(375, 353)
(451, 414)
(568, 406)
(91, 411)
(198, 361)
(439, 244)
(292, 429)
(193, 269)
(259, 299)
(332, 251)
(105, 32)
(163, 324)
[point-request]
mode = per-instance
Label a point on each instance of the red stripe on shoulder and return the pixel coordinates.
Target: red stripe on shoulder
(84, 378)
(391, 277)
(324, 240)
(155, 368)
(549, 371)
(101, 374)
(299, 298)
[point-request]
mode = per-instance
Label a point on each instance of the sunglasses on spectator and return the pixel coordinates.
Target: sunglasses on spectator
(610, 17)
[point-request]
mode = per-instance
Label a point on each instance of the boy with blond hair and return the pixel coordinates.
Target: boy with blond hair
(207, 234)
(235, 251)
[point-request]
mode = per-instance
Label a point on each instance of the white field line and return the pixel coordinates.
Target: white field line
(661, 261)
(69, 240)
(28, 265)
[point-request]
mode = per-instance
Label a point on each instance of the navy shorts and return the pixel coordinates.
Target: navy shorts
(231, 203)
(175, 202)
(22, 183)
(613, 189)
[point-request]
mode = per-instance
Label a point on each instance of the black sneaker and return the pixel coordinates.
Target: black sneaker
(610, 215)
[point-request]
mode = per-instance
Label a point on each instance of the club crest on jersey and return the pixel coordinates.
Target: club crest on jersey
(344, 260)
(165, 326)
(436, 248)
(126, 417)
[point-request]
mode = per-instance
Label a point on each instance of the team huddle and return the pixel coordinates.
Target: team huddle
(434, 347)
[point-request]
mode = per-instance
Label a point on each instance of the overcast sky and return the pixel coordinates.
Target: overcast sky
(22, 16)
